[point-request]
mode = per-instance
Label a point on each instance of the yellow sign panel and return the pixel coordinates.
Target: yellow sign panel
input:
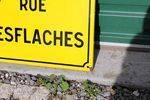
(50, 33)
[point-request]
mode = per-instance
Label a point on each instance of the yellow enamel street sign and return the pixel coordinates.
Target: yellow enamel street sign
(48, 33)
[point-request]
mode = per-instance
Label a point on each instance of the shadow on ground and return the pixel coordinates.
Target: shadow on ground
(97, 32)
(136, 65)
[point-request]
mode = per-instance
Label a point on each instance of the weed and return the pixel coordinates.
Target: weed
(91, 89)
(52, 83)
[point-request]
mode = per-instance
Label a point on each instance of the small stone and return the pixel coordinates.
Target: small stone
(79, 85)
(6, 81)
(10, 74)
(32, 82)
(13, 83)
(99, 97)
(71, 88)
(34, 78)
(52, 90)
(82, 93)
(136, 93)
(108, 88)
(14, 74)
(106, 94)
(2, 76)
(59, 93)
(13, 78)
(113, 92)
(22, 82)
(59, 89)
(78, 89)
(126, 90)
(6, 75)
(27, 77)
(69, 97)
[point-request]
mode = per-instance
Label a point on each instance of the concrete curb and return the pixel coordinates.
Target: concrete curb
(112, 67)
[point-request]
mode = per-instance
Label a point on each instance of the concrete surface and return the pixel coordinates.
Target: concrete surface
(23, 92)
(113, 66)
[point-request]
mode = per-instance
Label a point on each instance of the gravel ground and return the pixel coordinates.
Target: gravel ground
(17, 86)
